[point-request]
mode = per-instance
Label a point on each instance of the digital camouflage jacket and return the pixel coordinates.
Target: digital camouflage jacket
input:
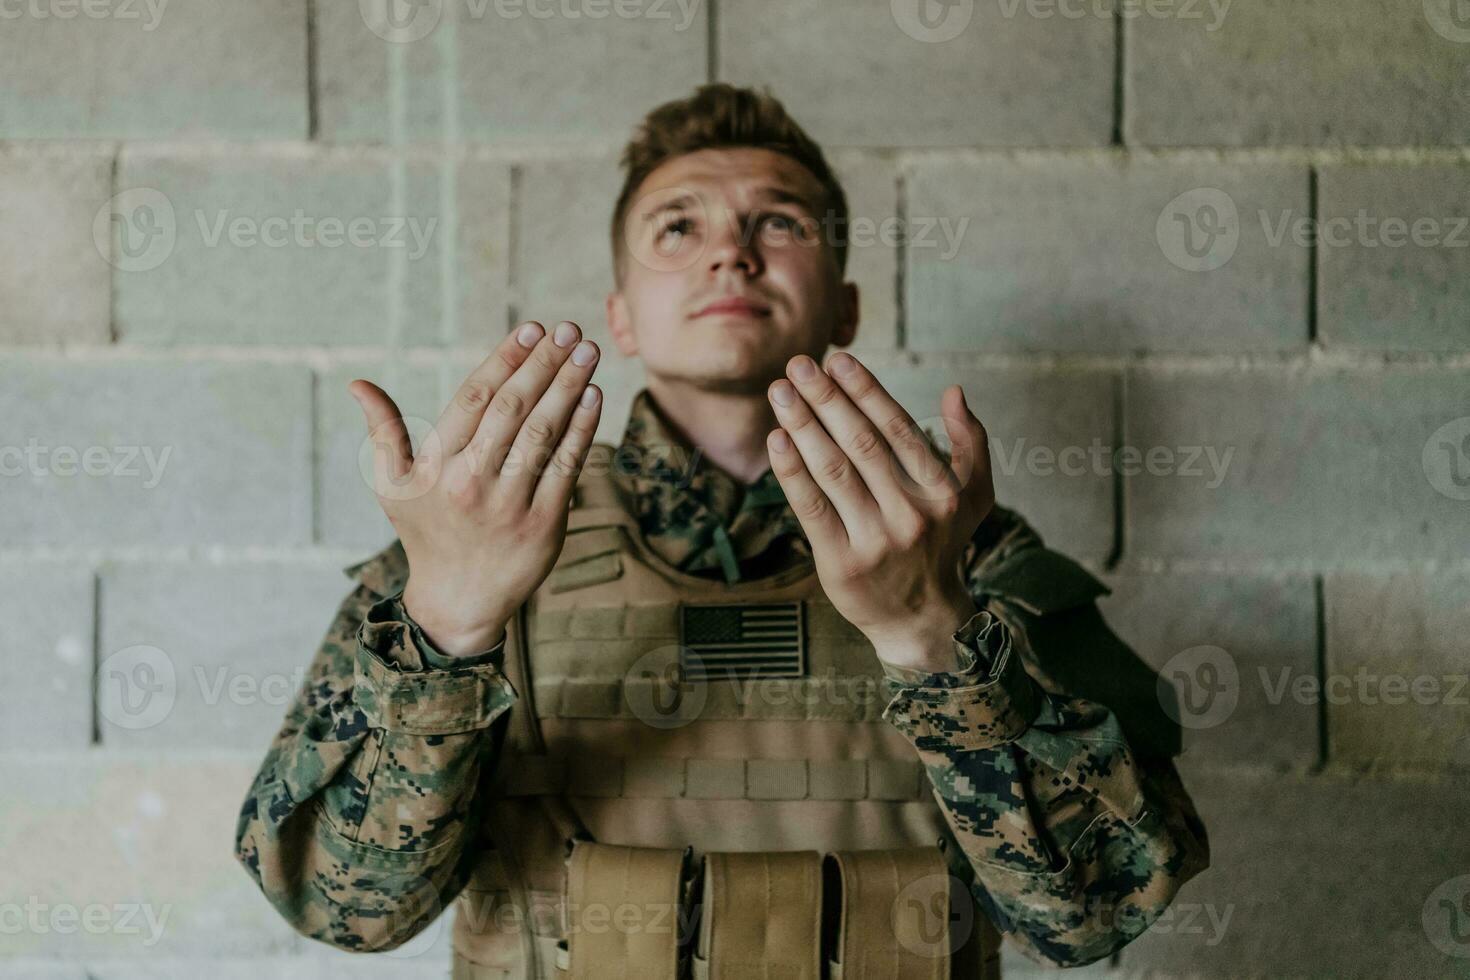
(1048, 750)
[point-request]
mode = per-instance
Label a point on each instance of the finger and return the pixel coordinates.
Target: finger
(969, 455)
(554, 490)
(824, 459)
(534, 447)
(511, 405)
(854, 433)
(457, 424)
(392, 449)
(920, 463)
(819, 518)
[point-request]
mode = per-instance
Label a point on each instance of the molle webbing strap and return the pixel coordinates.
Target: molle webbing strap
(761, 916)
(892, 914)
(652, 777)
(623, 913)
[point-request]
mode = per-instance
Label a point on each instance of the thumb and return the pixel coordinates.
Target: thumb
(966, 434)
(392, 450)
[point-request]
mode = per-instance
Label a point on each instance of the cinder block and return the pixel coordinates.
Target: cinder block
(55, 280)
(142, 845)
(348, 512)
(1297, 464)
(499, 70)
(1398, 690)
(37, 969)
(563, 262)
(888, 73)
(208, 655)
(1287, 849)
(483, 213)
(154, 70)
(1234, 650)
(1297, 72)
(1043, 427)
(46, 703)
(1105, 255)
(323, 247)
(1394, 252)
(154, 453)
(871, 185)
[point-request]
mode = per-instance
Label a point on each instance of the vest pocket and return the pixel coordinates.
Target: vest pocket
(890, 914)
(624, 911)
(760, 909)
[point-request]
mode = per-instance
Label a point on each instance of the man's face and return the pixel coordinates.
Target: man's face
(742, 231)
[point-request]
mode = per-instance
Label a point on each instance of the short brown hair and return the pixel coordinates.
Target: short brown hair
(722, 115)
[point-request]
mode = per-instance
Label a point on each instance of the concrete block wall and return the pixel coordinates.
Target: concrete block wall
(1201, 267)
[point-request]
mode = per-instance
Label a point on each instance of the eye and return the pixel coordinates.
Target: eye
(680, 226)
(781, 228)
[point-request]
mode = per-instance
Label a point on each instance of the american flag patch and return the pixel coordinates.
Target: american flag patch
(733, 640)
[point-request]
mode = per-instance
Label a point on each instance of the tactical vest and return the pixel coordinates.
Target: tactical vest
(670, 724)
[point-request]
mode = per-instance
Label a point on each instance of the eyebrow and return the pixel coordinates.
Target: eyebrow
(768, 193)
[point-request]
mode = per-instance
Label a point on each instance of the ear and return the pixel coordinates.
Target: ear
(845, 329)
(620, 324)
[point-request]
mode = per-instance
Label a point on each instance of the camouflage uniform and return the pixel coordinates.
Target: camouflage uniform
(1048, 750)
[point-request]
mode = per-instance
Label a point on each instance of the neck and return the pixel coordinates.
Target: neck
(727, 428)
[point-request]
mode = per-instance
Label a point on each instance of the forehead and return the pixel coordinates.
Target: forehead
(734, 175)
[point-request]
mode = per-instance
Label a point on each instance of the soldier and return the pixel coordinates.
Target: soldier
(776, 671)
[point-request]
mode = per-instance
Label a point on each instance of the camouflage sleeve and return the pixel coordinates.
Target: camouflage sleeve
(1075, 843)
(357, 825)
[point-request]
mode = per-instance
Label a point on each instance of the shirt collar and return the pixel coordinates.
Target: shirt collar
(695, 514)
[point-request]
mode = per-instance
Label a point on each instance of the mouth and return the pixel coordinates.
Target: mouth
(735, 307)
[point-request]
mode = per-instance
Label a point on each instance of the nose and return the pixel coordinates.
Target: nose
(733, 249)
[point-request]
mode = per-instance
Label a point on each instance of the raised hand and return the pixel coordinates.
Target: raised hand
(888, 519)
(481, 506)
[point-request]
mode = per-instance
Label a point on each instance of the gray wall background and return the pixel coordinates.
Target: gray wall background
(1109, 212)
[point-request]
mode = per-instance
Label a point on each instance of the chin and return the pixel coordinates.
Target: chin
(750, 378)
